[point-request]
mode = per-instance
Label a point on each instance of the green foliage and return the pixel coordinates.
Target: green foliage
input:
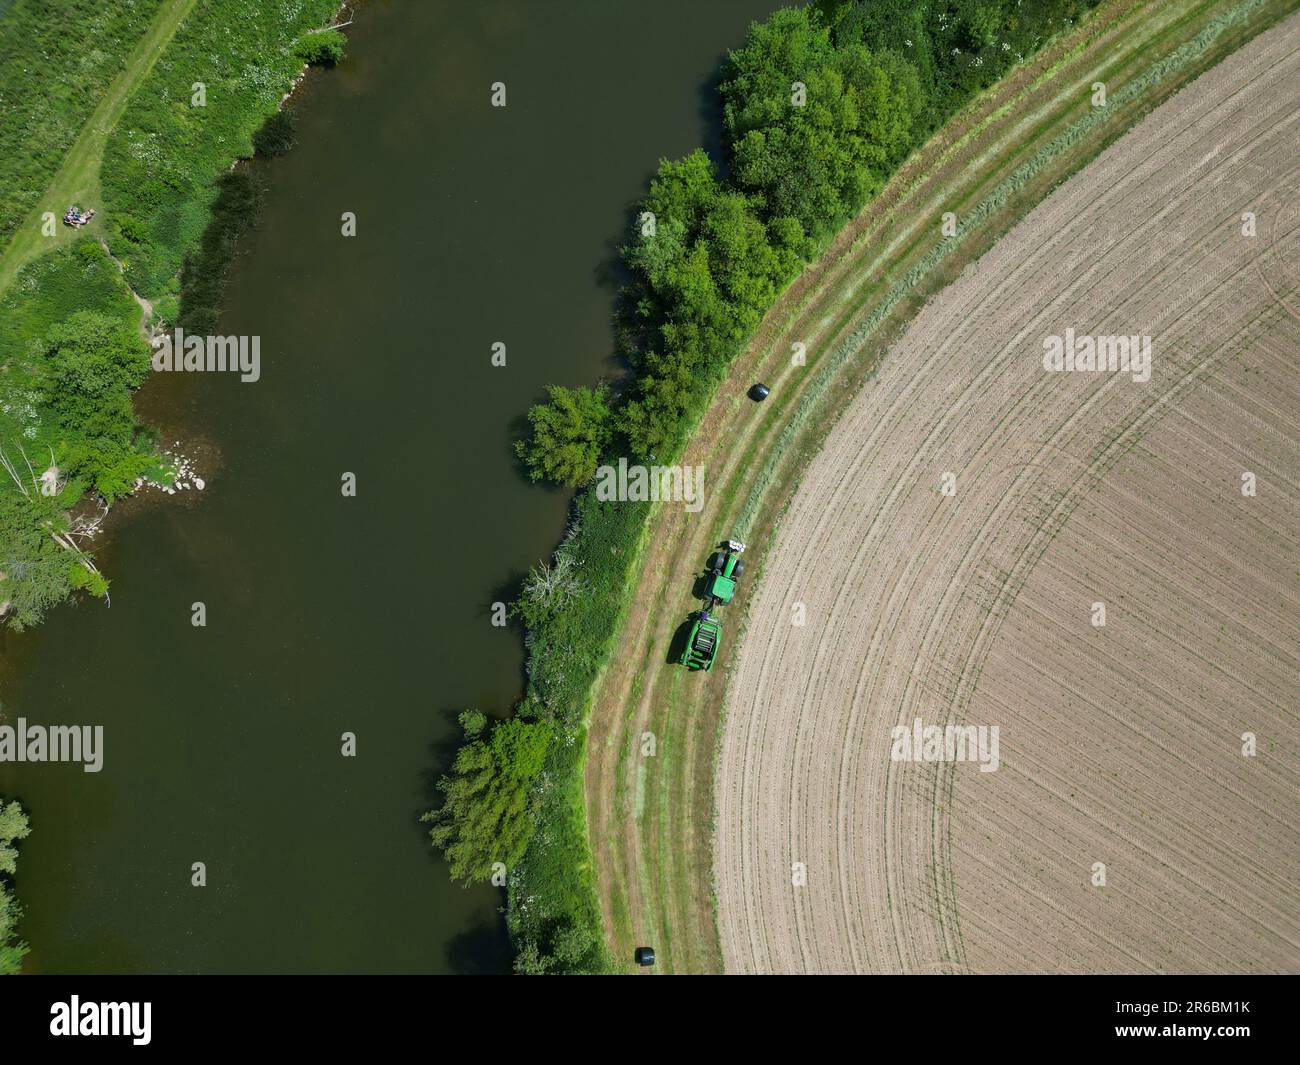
(167, 310)
(325, 48)
(704, 276)
(815, 161)
(51, 288)
(164, 154)
(13, 827)
(57, 60)
(570, 948)
(553, 914)
(485, 816)
(569, 434)
(957, 47)
(92, 365)
(472, 723)
(820, 106)
(64, 396)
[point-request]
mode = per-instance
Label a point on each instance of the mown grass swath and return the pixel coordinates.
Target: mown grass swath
(820, 105)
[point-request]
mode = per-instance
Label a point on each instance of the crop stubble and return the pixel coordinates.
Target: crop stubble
(1119, 744)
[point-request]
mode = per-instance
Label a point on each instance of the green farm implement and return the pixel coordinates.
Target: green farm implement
(703, 643)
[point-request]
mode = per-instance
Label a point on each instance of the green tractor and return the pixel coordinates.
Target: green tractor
(724, 571)
(703, 642)
(725, 568)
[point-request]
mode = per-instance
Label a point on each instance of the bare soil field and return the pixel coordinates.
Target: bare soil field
(950, 550)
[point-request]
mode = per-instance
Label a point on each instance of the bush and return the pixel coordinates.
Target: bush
(323, 48)
(570, 432)
(819, 161)
(485, 818)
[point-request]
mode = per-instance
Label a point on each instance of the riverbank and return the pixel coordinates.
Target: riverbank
(381, 365)
(709, 257)
(651, 818)
(73, 341)
(149, 168)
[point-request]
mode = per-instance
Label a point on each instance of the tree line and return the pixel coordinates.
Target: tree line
(819, 107)
(13, 827)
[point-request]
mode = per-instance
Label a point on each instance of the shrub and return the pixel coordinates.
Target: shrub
(569, 434)
(485, 817)
(323, 48)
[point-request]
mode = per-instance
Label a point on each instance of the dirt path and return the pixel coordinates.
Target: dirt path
(651, 817)
(1119, 744)
(77, 180)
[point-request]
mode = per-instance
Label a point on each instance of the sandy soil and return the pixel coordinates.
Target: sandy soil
(1119, 744)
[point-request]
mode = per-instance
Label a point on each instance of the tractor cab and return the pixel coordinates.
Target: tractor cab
(725, 569)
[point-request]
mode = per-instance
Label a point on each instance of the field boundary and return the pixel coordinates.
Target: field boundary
(655, 869)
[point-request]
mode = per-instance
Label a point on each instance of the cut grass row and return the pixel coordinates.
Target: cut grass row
(656, 870)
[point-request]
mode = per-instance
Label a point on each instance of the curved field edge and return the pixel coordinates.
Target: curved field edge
(653, 829)
(931, 604)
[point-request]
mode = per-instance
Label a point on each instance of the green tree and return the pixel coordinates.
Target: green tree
(323, 47)
(92, 364)
(574, 948)
(485, 816)
(569, 433)
(816, 160)
(13, 827)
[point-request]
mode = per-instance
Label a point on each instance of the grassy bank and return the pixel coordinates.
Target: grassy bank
(56, 61)
(223, 74)
(73, 166)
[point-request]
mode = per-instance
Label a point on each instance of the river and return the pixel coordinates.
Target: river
(370, 614)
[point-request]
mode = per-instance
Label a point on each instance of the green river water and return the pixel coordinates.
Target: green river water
(371, 614)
